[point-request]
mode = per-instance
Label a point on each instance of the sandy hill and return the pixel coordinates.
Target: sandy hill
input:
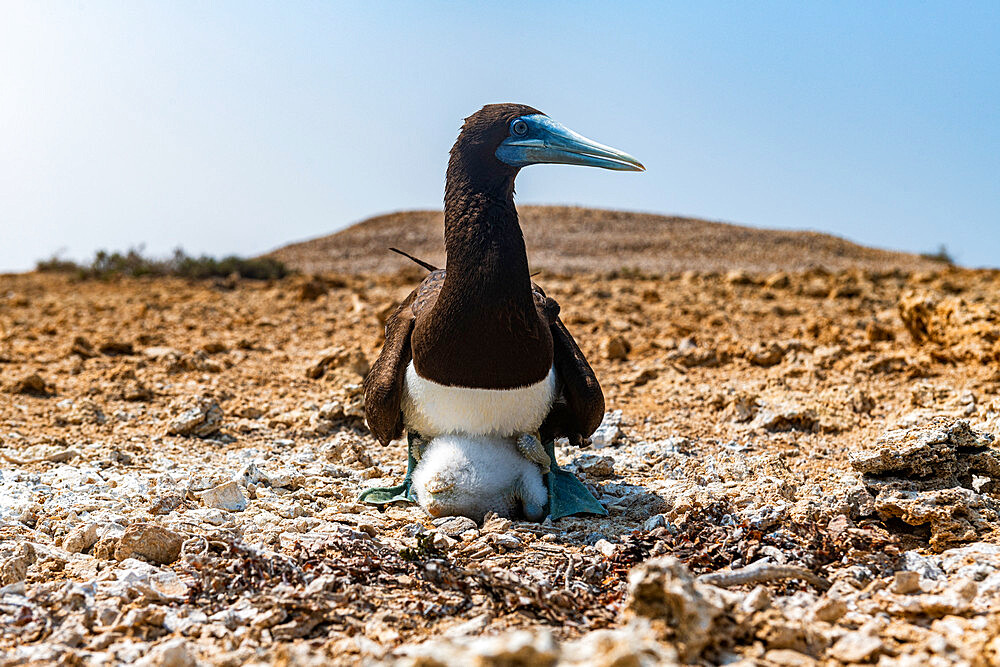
(570, 239)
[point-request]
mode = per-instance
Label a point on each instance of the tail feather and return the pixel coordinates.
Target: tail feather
(420, 262)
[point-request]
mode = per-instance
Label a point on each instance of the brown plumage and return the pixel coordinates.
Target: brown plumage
(481, 322)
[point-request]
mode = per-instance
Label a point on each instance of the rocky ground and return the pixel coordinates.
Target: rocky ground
(799, 469)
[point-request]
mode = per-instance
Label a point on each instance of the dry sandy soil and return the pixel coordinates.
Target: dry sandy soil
(180, 463)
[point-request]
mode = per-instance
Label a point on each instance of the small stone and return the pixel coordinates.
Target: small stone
(506, 541)
(151, 542)
(492, 523)
(114, 348)
(922, 565)
(454, 526)
(80, 538)
(228, 496)
(338, 357)
(856, 647)
(82, 348)
(443, 542)
(606, 548)
(615, 347)
(829, 609)
(609, 431)
(906, 582)
(15, 568)
(32, 385)
(595, 466)
(165, 503)
(765, 354)
(214, 347)
(171, 653)
(203, 419)
(270, 618)
(786, 657)
(654, 522)
(250, 474)
(663, 591)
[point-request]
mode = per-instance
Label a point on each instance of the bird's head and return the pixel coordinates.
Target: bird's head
(502, 138)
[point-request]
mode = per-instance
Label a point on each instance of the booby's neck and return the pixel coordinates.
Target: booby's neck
(483, 330)
(487, 263)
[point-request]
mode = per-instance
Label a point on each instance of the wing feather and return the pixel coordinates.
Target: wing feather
(383, 385)
(579, 408)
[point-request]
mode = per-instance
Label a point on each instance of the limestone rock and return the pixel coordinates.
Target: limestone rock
(615, 347)
(228, 496)
(203, 419)
(609, 430)
(149, 541)
(954, 515)
(663, 591)
(934, 474)
(81, 538)
(33, 385)
(941, 448)
(338, 357)
(15, 568)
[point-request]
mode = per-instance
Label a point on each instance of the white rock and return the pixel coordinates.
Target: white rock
(605, 547)
(228, 496)
(171, 653)
(80, 538)
(609, 431)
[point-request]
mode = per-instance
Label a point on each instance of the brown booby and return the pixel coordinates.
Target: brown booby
(478, 349)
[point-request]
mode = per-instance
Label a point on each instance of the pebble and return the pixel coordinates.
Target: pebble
(171, 653)
(609, 431)
(80, 538)
(905, 582)
(615, 347)
(606, 548)
(856, 647)
(595, 466)
(202, 420)
(228, 496)
(15, 568)
(443, 542)
(454, 526)
(155, 543)
(829, 609)
(654, 522)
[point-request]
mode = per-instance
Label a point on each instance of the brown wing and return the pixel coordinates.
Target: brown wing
(384, 384)
(579, 408)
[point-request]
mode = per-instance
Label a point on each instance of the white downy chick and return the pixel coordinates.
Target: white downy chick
(470, 475)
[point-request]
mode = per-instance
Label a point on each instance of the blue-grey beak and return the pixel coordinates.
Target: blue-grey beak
(537, 139)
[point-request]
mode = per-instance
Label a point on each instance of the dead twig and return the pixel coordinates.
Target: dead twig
(761, 572)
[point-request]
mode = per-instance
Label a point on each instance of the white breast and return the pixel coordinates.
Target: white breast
(433, 409)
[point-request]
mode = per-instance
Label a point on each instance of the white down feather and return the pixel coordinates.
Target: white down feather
(461, 475)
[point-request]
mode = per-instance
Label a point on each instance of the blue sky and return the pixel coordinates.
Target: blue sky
(235, 127)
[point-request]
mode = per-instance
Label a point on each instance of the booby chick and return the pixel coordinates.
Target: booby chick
(470, 475)
(478, 350)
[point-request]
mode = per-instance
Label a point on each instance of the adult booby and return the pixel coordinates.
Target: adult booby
(477, 349)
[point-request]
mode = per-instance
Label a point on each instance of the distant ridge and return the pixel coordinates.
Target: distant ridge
(569, 239)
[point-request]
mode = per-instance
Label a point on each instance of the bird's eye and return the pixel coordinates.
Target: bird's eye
(519, 127)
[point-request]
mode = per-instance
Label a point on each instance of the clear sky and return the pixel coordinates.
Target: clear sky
(235, 127)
